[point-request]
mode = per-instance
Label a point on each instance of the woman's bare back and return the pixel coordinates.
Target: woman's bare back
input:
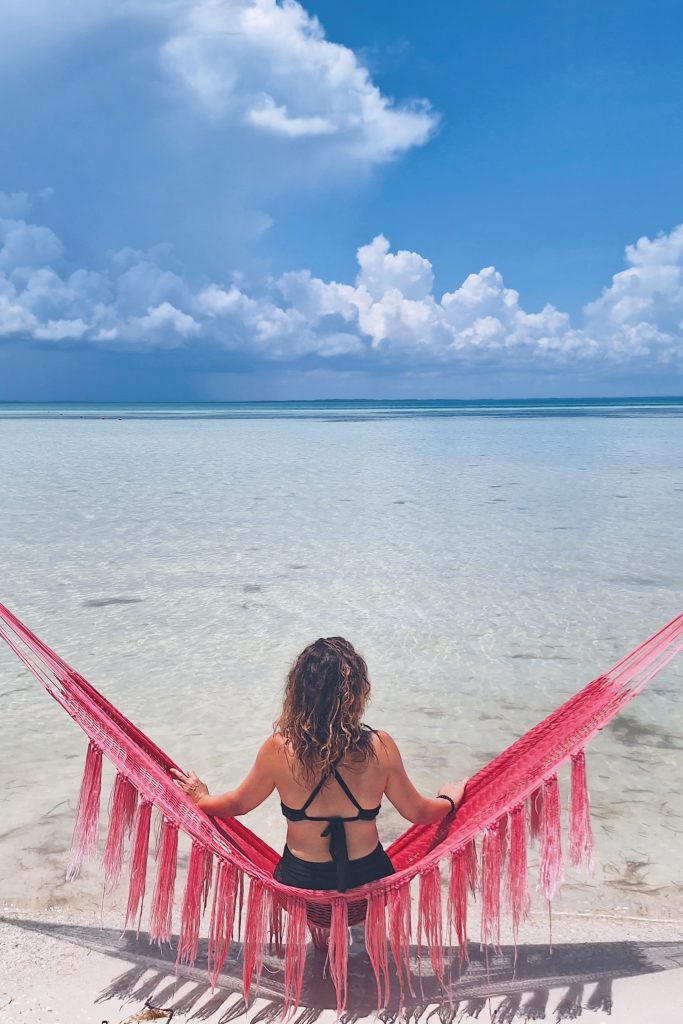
(366, 777)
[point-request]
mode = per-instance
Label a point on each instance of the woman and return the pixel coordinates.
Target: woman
(330, 770)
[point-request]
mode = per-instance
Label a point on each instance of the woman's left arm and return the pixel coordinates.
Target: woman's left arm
(252, 791)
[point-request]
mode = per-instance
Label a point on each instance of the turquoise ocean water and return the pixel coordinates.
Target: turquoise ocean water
(487, 559)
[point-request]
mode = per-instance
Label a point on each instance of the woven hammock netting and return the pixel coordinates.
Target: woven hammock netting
(481, 852)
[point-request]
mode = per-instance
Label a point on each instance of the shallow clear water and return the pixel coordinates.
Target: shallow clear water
(487, 563)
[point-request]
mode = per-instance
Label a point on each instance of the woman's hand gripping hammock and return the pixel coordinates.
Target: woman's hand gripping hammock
(191, 784)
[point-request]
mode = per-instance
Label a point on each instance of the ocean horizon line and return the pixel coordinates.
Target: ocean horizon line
(349, 409)
(576, 399)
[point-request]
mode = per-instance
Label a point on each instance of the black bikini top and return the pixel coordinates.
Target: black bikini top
(300, 813)
(335, 824)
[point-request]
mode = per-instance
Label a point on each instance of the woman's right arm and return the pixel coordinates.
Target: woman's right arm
(408, 801)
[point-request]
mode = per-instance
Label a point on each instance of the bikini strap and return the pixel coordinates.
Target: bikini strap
(314, 792)
(347, 791)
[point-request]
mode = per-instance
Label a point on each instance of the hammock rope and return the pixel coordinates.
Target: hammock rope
(512, 801)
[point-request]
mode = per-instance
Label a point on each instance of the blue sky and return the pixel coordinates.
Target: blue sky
(213, 199)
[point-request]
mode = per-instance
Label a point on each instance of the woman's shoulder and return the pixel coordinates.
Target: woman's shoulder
(383, 744)
(273, 748)
(276, 742)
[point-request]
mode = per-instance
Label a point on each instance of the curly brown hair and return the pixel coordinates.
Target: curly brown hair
(325, 696)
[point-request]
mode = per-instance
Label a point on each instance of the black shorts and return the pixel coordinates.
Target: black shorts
(307, 874)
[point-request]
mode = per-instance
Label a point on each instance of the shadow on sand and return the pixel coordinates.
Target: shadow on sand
(520, 984)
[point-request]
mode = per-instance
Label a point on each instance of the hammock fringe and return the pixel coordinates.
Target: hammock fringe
(295, 953)
(207, 878)
(138, 865)
(399, 915)
(536, 813)
(255, 930)
(517, 885)
(376, 945)
(430, 918)
(161, 917)
(551, 863)
(338, 950)
(276, 930)
(580, 831)
(122, 807)
(472, 866)
(225, 895)
(504, 839)
(490, 886)
(84, 841)
(463, 865)
(191, 912)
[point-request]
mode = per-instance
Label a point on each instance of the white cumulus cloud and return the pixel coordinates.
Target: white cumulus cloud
(269, 65)
(642, 309)
(279, 121)
(27, 245)
(261, 64)
(389, 314)
(60, 330)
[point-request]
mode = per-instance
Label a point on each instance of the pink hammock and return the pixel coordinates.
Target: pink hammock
(513, 799)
